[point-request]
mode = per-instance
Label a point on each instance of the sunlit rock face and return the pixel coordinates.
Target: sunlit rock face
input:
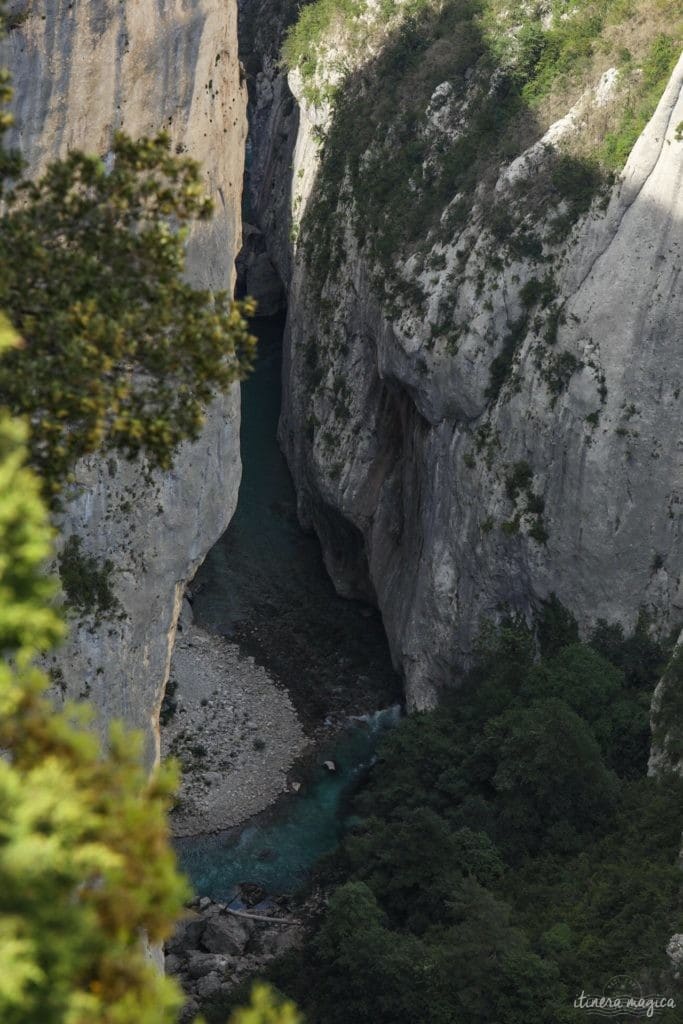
(412, 489)
(82, 70)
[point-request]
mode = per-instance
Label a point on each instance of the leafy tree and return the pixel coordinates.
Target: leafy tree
(362, 971)
(641, 658)
(119, 351)
(548, 770)
(85, 865)
(557, 627)
(267, 1008)
(413, 889)
(596, 690)
(485, 969)
(420, 753)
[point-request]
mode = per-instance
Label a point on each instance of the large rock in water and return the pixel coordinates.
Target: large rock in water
(410, 490)
(81, 71)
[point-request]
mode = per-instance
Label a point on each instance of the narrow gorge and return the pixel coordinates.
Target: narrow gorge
(407, 611)
(467, 422)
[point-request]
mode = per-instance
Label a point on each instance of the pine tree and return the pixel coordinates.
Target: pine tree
(119, 351)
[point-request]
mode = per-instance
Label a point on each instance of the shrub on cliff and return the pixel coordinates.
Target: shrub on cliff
(119, 351)
(430, 100)
(85, 866)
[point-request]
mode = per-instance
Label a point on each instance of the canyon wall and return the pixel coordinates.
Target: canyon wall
(82, 70)
(442, 499)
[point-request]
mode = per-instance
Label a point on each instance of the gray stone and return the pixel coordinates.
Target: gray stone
(226, 934)
(76, 79)
(209, 985)
(674, 951)
(409, 507)
(188, 935)
(201, 964)
(172, 963)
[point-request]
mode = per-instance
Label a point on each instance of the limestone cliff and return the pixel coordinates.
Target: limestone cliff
(80, 71)
(444, 490)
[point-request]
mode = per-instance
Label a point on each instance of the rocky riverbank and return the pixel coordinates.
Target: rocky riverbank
(234, 730)
(215, 947)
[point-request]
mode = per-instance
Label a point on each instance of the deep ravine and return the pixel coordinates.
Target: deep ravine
(264, 587)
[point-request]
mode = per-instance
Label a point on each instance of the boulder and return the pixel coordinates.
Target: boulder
(209, 985)
(674, 951)
(172, 964)
(201, 964)
(189, 1012)
(188, 935)
(226, 934)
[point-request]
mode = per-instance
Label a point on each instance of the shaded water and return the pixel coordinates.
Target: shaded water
(264, 586)
(264, 583)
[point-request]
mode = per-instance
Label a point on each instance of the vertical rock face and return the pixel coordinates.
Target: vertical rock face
(454, 504)
(82, 70)
(273, 131)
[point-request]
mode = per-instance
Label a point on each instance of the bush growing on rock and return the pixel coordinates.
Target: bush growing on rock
(119, 351)
(85, 866)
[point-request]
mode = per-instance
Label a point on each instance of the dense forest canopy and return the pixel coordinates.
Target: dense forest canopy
(510, 850)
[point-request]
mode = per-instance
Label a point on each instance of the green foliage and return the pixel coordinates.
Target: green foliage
(27, 622)
(267, 1008)
(86, 582)
(120, 352)
(559, 370)
(577, 181)
(641, 658)
(360, 969)
(85, 865)
(557, 627)
(312, 30)
(501, 365)
(518, 479)
(643, 100)
(409, 186)
(546, 769)
(507, 856)
(528, 504)
(536, 292)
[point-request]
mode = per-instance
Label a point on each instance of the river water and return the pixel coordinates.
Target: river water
(278, 849)
(264, 586)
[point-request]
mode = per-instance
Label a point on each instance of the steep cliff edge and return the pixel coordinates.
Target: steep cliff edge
(81, 71)
(503, 422)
